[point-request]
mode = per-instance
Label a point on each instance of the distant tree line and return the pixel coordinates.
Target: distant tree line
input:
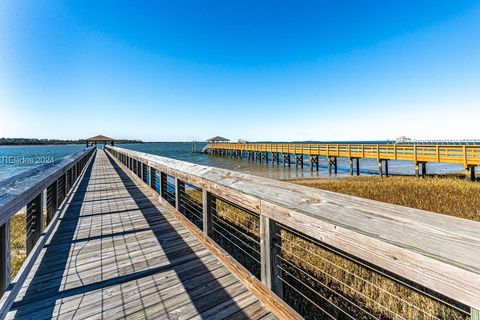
(31, 141)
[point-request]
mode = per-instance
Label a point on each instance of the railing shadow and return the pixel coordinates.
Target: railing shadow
(48, 291)
(209, 294)
(61, 253)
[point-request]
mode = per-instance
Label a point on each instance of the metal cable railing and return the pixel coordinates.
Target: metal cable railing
(168, 188)
(237, 231)
(340, 286)
(191, 204)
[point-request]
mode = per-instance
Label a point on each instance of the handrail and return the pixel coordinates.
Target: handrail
(17, 191)
(438, 252)
(52, 181)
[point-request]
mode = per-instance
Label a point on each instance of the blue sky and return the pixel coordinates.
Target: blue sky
(258, 70)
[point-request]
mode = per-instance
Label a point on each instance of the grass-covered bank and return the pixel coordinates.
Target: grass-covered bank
(449, 196)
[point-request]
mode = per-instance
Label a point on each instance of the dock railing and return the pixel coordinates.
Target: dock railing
(326, 255)
(456, 154)
(30, 203)
(420, 155)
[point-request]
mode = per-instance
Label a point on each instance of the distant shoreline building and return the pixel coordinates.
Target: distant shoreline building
(407, 140)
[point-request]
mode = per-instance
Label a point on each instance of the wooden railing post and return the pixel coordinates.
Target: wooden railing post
(474, 314)
(34, 221)
(208, 203)
(4, 257)
(270, 244)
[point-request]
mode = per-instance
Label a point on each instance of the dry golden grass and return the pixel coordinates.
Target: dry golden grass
(453, 197)
(361, 292)
(18, 252)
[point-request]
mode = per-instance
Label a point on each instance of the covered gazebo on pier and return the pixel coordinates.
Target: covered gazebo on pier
(99, 139)
(218, 139)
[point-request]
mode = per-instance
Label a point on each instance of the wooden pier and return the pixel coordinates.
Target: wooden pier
(133, 235)
(420, 155)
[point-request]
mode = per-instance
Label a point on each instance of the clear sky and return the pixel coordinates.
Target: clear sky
(258, 70)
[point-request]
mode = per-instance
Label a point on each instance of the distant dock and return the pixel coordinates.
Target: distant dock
(420, 155)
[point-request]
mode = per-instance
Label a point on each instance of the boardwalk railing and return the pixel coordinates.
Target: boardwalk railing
(29, 203)
(327, 255)
(466, 155)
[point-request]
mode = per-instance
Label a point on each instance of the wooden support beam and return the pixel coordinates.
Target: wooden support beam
(474, 314)
(380, 168)
(270, 245)
(4, 257)
(34, 226)
(424, 169)
(351, 166)
(417, 169)
(314, 162)
(299, 160)
(286, 159)
(209, 203)
(386, 168)
(470, 173)
(358, 166)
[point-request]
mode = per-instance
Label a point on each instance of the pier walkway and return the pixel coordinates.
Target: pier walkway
(118, 253)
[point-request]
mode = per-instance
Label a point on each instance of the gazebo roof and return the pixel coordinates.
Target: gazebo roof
(100, 138)
(218, 139)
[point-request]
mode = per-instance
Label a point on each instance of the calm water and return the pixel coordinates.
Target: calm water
(15, 159)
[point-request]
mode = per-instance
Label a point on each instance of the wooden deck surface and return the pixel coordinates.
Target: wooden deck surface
(117, 253)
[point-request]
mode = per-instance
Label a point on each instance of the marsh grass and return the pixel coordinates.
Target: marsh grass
(335, 282)
(448, 196)
(18, 249)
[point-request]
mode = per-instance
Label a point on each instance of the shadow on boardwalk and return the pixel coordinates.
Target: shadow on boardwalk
(167, 278)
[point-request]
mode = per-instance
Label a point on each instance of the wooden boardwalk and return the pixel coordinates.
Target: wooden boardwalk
(118, 253)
